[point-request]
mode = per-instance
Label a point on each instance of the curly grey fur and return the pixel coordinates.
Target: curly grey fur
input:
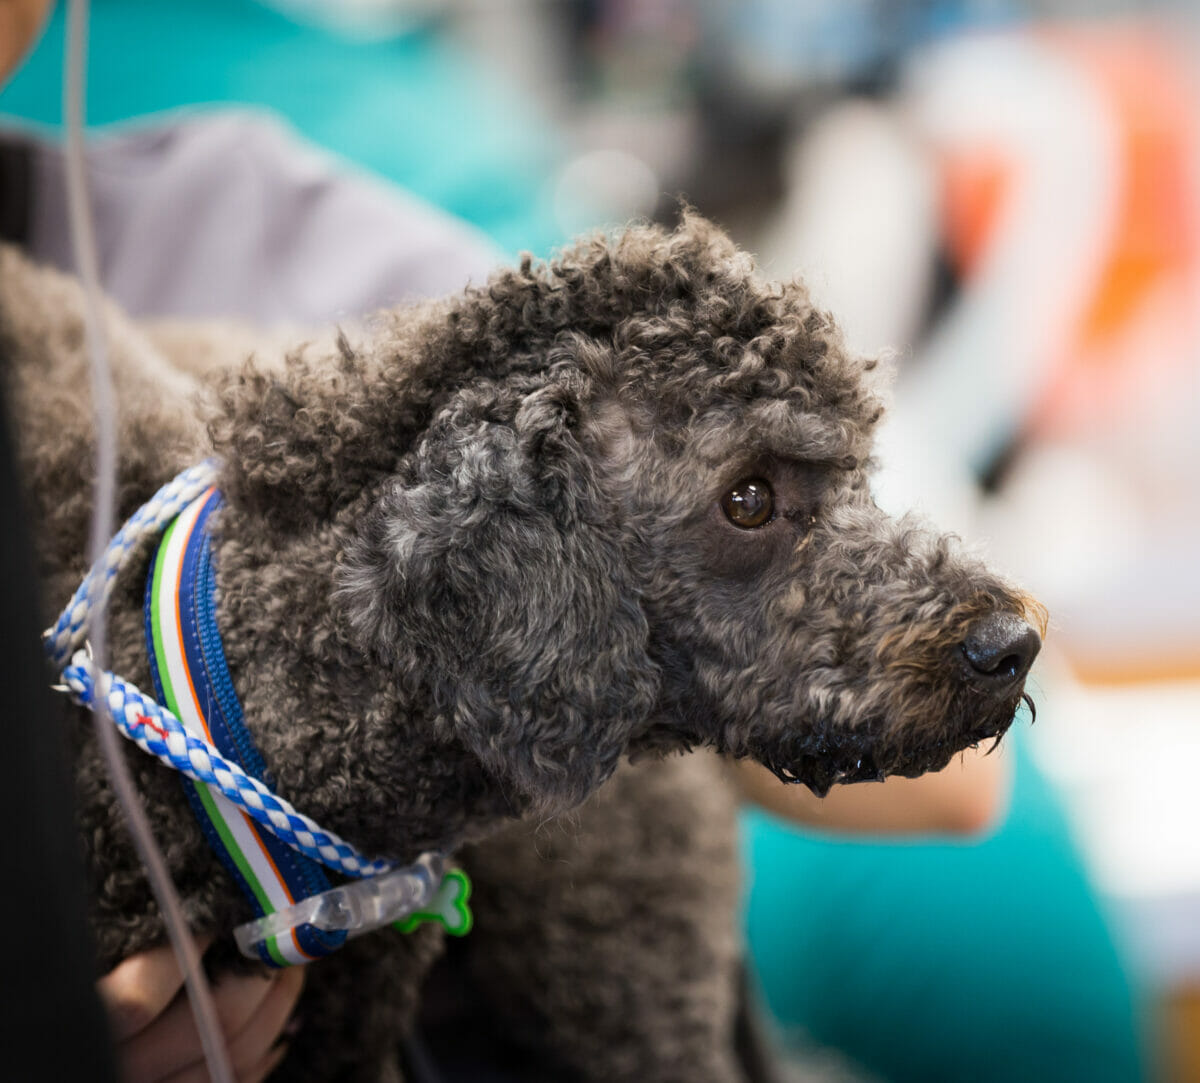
(474, 557)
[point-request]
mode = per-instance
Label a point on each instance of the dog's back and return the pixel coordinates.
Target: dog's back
(49, 395)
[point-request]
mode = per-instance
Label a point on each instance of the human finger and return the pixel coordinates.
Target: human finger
(171, 1042)
(138, 989)
(250, 1045)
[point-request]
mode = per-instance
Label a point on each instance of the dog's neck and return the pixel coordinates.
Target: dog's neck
(337, 731)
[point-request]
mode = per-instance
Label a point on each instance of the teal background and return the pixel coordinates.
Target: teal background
(411, 108)
(989, 961)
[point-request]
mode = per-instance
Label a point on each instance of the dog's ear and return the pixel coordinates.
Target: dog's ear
(489, 572)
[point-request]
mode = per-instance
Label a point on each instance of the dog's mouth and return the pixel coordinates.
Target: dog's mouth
(826, 758)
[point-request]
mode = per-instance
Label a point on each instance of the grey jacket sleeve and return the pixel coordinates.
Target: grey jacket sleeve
(231, 214)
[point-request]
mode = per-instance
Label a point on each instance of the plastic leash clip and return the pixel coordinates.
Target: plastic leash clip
(422, 891)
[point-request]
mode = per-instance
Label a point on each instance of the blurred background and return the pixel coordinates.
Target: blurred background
(1003, 199)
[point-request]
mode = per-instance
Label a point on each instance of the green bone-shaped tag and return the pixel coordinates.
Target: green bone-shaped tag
(448, 907)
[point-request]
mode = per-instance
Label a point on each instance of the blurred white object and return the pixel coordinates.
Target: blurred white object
(914, 475)
(1125, 759)
(1075, 327)
(1012, 97)
(1061, 501)
(603, 187)
(859, 224)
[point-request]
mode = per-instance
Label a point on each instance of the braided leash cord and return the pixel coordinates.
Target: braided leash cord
(151, 518)
(156, 730)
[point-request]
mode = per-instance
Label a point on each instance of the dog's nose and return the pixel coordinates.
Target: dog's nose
(1000, 649)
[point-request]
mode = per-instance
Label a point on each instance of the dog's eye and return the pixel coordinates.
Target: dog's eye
(749, 503)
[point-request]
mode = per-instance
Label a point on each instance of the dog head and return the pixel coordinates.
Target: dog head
(793, 622)
(620, 502)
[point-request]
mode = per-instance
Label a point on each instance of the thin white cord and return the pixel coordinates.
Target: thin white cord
(103, 515)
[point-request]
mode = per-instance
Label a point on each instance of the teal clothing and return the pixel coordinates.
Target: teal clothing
(989, 961)
(411, 108)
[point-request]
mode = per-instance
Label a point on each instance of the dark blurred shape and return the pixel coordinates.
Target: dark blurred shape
(52, 1026)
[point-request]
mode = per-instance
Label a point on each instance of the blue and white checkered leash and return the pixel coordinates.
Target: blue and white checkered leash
(383, 894)
(70, 631)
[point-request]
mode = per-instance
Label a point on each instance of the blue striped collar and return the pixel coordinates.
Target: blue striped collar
(300, 916)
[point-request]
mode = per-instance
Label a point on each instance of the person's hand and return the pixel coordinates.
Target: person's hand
(967, 797)
(156, 1036)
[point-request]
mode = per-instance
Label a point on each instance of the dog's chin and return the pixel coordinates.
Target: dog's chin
(833, 757)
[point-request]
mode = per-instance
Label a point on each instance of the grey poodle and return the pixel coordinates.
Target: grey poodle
(483, 569)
